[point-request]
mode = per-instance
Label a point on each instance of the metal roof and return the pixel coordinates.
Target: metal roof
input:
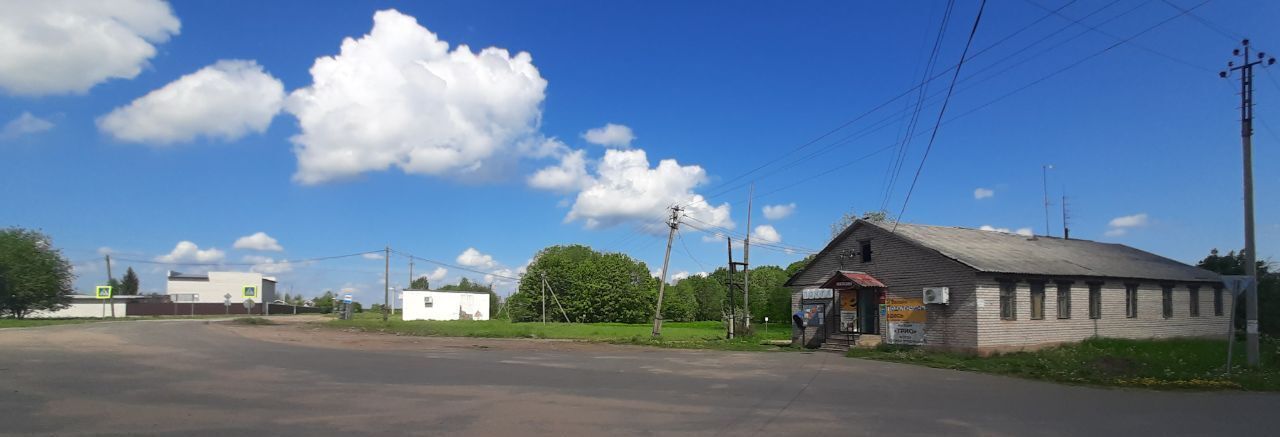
(860, 279)
(180, 275)
(1000, 252)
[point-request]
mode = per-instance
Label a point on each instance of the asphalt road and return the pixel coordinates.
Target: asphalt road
(200, 378)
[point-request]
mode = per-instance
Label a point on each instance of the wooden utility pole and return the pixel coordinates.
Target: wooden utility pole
(410, 272)
(386, 283)
(544, 301)
(111, 301)
(733, 271)
(746, 269)
(1044, 179)
(673, 223)
(1246, 143)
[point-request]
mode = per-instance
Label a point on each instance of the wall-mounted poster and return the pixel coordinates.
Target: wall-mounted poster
(813, 314)
(906, 317)
(849, 311)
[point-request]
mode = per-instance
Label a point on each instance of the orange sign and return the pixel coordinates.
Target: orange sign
(901, 309)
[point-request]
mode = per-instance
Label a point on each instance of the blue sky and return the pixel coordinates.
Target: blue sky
(237, 135)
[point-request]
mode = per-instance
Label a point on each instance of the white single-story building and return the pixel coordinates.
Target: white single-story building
(213, 287)
(444, 305)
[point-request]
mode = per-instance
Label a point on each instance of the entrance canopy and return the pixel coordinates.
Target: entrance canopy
(844, 280)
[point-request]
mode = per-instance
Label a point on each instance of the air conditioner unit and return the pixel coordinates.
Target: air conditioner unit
(938, 295)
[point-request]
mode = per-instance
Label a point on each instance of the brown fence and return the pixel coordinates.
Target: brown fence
(206, 309)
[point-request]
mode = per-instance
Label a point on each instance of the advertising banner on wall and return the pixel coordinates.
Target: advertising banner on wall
(848, 311)
(906, 318)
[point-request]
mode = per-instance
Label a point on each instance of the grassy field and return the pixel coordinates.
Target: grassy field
(27, 323)
(1195, 364)
(699, 335)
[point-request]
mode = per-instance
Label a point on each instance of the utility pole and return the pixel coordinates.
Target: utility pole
(410, 272)
(673, 223)
(386, 283)
(112, 300)
(1246, 142)
(1044, 178)
(733, 271)
(746, 268)
(1066, 228)
(544, 300)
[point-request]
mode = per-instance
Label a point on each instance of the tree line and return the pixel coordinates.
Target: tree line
(593, 286)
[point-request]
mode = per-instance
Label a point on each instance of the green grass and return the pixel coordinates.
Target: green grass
(693, 335)
(1175, 364)
(253, 321)
(27, 323)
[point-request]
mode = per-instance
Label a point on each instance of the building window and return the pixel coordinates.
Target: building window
(1037, 300)
(1095, 300)
(1195, 300)
(1008, 300)
(1131, 300)
(864, 248)
(1217, 301)
(1166, 301)
(1064, 300)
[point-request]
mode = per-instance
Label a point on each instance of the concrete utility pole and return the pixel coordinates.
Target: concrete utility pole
(410, 272)
(112, 300)
(673, 223)
(746, 268)
(386, 283)
(544, 301)
(1246, 140)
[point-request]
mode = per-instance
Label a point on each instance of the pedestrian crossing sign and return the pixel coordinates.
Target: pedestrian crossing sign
(102, 292)
(250, 292)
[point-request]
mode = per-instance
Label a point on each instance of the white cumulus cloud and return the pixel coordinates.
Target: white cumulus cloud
(570, 175)
(437, 275)
(983, 193)
(473, 258)
(779, 212)
(258, 241)
(766, 234)
(610, 135)
(399, 97)
(267, 265)
(1026, 232)
(186, 251)
(1121, 225)
(226, 100)
(24, 124)
(68, 46)
(625, 188)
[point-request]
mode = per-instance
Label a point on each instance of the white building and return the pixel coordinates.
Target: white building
(213, 287)
(444, 305)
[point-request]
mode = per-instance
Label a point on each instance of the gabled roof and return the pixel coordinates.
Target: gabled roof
(1000, 252)
(859, 279)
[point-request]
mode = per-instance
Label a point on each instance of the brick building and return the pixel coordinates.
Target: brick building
(985, 291)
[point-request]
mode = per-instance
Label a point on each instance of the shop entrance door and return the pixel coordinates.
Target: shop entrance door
(869, 311)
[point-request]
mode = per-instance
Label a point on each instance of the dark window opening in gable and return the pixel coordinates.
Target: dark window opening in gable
(864, 248)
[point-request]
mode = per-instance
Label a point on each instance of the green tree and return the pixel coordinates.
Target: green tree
(130, 284)
(465, 284)
(590, 285)
(848, 218)
(33, 275)
(679, 303)
(708, 294)
(1268, 288)
(324, 302)
(768, 296)
(420, 283)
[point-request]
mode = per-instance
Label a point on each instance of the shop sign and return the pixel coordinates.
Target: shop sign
(906, 333)
(816, 293)
(849, 311)
(905, 309)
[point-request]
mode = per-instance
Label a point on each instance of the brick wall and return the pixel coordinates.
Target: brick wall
(906, 269)
(996, 334)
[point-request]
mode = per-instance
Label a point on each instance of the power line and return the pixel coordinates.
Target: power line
(1220, 30)
(1134, 44)
(933, 136)
(688, 252)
